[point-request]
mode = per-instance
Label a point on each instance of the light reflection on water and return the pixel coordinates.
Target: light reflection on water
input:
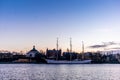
(59, 72)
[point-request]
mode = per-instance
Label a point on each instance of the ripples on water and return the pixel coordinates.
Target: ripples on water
(59, 72)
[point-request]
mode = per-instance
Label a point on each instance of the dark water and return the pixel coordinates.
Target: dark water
(59, 72)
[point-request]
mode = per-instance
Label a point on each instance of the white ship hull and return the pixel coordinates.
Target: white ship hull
(68, 62)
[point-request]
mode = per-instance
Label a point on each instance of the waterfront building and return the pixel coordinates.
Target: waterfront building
(35, 56)
(32, 53)
(6, 55)
(53, 54)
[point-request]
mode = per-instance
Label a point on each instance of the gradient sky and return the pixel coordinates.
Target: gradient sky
(24, 23)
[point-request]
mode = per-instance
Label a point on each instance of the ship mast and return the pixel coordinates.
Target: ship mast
(70, 49)
(82, 50)
(70, 44)
(57, 45)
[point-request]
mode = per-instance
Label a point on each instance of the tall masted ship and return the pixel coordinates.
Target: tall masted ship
(76, 61)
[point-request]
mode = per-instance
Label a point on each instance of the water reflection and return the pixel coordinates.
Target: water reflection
(59, 72)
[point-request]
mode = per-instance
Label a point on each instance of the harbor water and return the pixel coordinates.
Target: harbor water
(59, 71)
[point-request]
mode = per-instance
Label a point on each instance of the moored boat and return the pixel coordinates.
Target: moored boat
(76, 61)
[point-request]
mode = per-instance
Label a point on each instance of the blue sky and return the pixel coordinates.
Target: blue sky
(24, 23)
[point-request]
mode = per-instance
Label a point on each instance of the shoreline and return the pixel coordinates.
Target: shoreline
(44, 63)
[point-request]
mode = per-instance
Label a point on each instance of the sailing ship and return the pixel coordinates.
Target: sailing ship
(76, 61)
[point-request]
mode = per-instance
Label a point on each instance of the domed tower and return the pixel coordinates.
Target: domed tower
(32, 53)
